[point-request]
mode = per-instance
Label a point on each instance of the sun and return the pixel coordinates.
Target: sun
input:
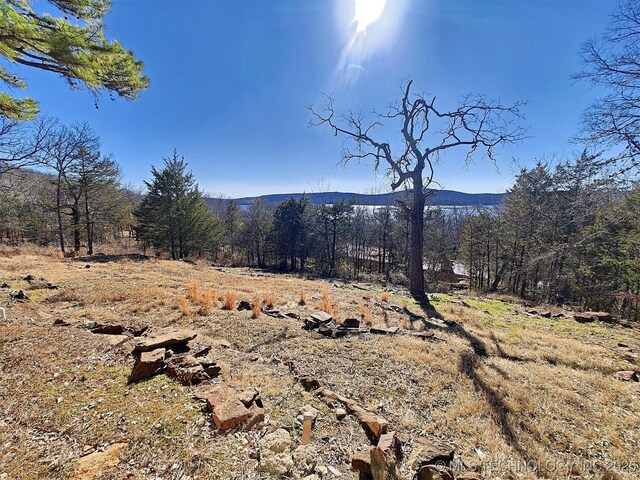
(367, 12)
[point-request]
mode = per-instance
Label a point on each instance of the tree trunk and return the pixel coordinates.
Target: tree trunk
(75, 218)
(416, 244)
(59, 212)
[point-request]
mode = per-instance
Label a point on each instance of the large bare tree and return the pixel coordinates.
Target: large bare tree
(426, 133)
(612, 62)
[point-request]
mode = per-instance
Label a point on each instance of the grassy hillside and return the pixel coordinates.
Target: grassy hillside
(503, 387)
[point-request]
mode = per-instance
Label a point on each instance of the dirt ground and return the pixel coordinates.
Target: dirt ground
(516, 395)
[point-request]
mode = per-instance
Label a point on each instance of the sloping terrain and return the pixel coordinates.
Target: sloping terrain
(516, 395)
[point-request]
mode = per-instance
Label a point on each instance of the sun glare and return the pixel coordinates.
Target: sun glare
(367, 12)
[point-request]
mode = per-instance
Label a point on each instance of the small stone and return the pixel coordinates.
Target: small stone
(340, 413)
(248, 396)
(627, 376)
(90, 466)
(230, 414)
(109, 329)
(351, 323)
(243, 305)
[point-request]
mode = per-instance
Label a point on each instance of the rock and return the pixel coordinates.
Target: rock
(326, 329)
(273, 313)
(216, 395)
(256, 416)
(146, 365)
(351, 323)
(340, 413)
(361, 461)
(250, 395)
(545, 314)
(244, 305)
(385, 457)
(308, 382)
(186, 369)
(92, 465)
(293, 315)
(432, 472)
(627, 376)
(18, 295)
(115, 340)
(586, 317)
(393, 330)
(305, 459)
(139, 329)
(58, 322)
(275, 453)
(198, 350)
(165, 338)
(310, 324)
(309, 411)
(321, 317)
(374, 424)
(5, 285)
(230, 414)
(426, 452)
(109, 329)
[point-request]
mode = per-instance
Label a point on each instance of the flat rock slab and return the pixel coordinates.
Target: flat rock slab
(92, 465)
(165, 338)
(147, 365)
(321, 317)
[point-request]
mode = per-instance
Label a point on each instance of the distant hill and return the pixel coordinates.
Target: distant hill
(441, 198)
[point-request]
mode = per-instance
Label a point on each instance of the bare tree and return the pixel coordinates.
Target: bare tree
(21, 143)
(426, 134)
(612, 61)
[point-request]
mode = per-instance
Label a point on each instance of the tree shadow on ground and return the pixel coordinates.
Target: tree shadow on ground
(133, 257)
(469, 363)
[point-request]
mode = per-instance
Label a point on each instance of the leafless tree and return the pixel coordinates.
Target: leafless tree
(477, 125)
(612, 61)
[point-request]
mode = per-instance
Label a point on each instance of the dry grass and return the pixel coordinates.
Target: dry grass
(193, 292)
(185, 307)
(543, 391)
(229, 298)
(324, 305)
(384, 297)
(256, 306)
(208, 301)
(269, 300)
(303, 299)
(365, 315)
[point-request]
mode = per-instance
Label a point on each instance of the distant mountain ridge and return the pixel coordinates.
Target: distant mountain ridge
(440, 198)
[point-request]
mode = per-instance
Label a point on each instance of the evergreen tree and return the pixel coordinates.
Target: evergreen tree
(75, 49)
(172, 216)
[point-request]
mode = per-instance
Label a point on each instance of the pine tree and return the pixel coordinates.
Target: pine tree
(72, 45)
(172, 216)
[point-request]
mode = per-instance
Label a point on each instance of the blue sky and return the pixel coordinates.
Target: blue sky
(231, 80)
